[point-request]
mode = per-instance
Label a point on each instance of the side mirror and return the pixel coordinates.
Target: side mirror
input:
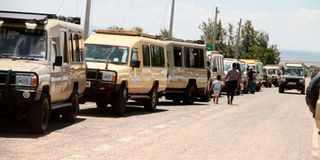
(58, 61)
(135, 64)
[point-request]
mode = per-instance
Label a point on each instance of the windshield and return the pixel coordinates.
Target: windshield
(22, 43)
(294, 71)
(272, 71)
(227, 65)
(115, 54)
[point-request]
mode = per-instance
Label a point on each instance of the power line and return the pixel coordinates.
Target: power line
(61, 4)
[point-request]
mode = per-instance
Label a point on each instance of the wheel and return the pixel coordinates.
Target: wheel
(152, 102)
(281, 89)
(118, 106)
(258, 88)
(176, 101)
(303, 89)
(101, 102)
(38, 115)
(69, 114)
(206, 96)
(189, 96)
(313, 93)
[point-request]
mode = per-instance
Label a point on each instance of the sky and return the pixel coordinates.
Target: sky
(291, 24)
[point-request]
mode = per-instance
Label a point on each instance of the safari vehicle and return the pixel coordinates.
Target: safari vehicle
(187, 72)
(216, 67)
(42, 70)
(228, 66)
(293, 77)
(244, 77)
(257, 66)
(124, 65)
(271, 75)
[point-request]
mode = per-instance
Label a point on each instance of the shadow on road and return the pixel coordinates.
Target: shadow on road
(11, 127)
(293, 93)
(131, 110)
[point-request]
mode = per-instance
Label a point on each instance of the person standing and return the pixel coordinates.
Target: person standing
(232, 78)
(252, 76)
(216, 87)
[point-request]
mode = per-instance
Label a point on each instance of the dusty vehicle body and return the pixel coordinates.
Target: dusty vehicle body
(187, 72)
(216, 67)
(42, 71)
(293, 77)
(125, 65)
(271, 75)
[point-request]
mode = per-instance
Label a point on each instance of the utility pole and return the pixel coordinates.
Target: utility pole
(87, 19)
(171, 19)
(215, 29)
(238, 40)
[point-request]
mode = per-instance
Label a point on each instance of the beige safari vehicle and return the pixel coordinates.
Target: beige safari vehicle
(258, 67)
(124, 65)
(187, 72)
(216, 66)
(42, 70)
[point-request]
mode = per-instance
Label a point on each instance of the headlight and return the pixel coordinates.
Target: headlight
(108, 76)
(26, 79)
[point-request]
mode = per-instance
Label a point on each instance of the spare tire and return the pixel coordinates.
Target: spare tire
(313, 93)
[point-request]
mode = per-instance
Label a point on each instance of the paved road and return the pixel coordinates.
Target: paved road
(266, 125)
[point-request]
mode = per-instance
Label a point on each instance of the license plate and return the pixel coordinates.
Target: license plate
(88, 84)
(292, 83)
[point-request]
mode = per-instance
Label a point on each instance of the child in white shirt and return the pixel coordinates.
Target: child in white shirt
(216, 86)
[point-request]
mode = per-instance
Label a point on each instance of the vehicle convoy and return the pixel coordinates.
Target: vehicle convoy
(187, 72)
(42, 70)
(271, 75)
(124, 65)
(257, 66)
(293, 77)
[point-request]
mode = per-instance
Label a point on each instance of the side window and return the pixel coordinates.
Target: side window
(134, 55)
(146, 55)
(53, 51)
(157, 56)
(177, 52)
(71, 46)
(198, 58)
(64, 44)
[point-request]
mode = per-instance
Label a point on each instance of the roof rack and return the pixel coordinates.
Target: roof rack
(126, 33)
(39, 18)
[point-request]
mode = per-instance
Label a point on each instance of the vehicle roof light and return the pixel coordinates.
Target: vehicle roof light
(31, 25)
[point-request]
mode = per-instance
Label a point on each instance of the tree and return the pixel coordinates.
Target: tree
(248, 38)
(230, 46)
(207, 31)
(137, 29)
(164, 32)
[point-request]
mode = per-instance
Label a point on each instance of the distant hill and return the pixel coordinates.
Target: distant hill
(307, 57)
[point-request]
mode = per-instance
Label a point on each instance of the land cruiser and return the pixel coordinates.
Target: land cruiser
(187, 72)
(216, 67)
(124, 65)
(228, 66)
(257, 66)
(293, 77)
(271, 75)
(42, 72)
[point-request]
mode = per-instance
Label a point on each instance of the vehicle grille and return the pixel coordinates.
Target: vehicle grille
(292, 80)
(94, 75)
(4, 75)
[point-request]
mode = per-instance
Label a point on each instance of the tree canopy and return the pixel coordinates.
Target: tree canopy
(253, 44)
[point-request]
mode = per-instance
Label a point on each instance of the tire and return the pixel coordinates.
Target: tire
(118, 106)
(101, 102)
(152, 102)
(176, 101)
(189, 96)
(258, 88)
(281, 89)
(38, 115)
(312, 95)
(69, 114)
(206, 97)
